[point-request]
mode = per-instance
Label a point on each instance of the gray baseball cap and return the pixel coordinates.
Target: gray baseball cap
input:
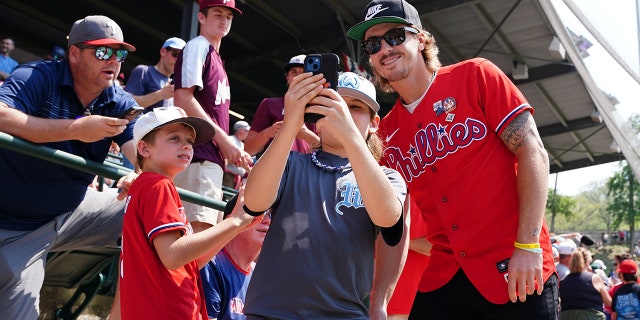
(97, 30)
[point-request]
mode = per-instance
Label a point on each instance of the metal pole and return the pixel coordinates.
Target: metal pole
(72, 161)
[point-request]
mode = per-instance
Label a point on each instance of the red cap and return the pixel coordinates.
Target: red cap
(231, 4)
(627, 266)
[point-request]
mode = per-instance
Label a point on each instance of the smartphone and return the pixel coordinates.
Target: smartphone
(132, 113)
(327, 64)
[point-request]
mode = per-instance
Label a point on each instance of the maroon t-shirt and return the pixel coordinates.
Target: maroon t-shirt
(200, 65)
(270, 111)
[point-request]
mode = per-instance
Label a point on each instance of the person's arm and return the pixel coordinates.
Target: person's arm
(308, 136)
(184, 98)
(599, 285)
(150, 98)
(263, 182)
(175, 250)
(3, 75)
(388, 266)
(256, 141)
(521, 137)
(39, 130)
(420, 245)
(114, 313)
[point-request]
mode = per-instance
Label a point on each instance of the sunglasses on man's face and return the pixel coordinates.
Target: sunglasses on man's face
(105, 53)
(393, 37)
(175, 53)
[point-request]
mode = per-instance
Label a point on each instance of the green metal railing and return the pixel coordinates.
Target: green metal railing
(108, 170)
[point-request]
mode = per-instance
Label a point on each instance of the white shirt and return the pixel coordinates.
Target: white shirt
(562, 270)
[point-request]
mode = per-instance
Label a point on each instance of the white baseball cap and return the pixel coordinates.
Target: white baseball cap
(241, 125)
(599, 264)
(175, 43)
(354, 85)
(295, 61)
(567, 247)
(163, 116)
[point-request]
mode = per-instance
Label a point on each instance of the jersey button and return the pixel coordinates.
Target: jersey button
(445, 199)
(454, 227)
(462, 254)
(434, 169)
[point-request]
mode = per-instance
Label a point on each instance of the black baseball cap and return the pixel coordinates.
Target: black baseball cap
(385, 11)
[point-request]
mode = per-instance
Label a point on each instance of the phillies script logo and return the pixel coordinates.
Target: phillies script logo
(432, 143)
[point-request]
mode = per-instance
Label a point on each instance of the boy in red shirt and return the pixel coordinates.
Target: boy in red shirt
(161, 256)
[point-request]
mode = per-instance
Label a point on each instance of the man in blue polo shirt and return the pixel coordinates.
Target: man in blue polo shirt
(7, 64)
(70, 105)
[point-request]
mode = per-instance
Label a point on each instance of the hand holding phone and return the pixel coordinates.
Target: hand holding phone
(132, 113)
(327, 64)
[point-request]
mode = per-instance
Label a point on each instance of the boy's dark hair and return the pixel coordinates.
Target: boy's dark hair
(622, 256)
(628, 277)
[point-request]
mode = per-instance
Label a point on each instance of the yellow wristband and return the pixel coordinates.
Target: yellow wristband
(526, 245)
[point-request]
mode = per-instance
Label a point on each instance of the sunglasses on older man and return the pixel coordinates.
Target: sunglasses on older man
(174, 52)
(393, 37)
(105, 53)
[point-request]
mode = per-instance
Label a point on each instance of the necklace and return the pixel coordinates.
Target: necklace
(321, 165)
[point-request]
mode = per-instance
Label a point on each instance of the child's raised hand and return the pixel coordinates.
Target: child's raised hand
(302, 89)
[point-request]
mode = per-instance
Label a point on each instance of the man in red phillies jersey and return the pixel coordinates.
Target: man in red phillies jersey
(464, 138)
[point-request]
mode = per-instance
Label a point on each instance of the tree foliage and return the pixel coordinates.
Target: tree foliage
(623, 192)
(594, 202)
(559, 205)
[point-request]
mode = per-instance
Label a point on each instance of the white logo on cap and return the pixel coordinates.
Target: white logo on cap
(110, 25)
(349, 81)
(374, 11)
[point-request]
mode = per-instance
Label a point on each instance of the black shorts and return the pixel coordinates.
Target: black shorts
(459, 299)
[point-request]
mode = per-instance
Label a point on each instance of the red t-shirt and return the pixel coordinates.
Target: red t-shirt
(461, 174)
(149, 290)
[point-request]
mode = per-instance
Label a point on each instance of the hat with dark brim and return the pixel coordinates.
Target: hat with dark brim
(385, 11)
(98, 31)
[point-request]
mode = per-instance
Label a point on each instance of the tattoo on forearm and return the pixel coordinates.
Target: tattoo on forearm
(515, 134)
(536, 232)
